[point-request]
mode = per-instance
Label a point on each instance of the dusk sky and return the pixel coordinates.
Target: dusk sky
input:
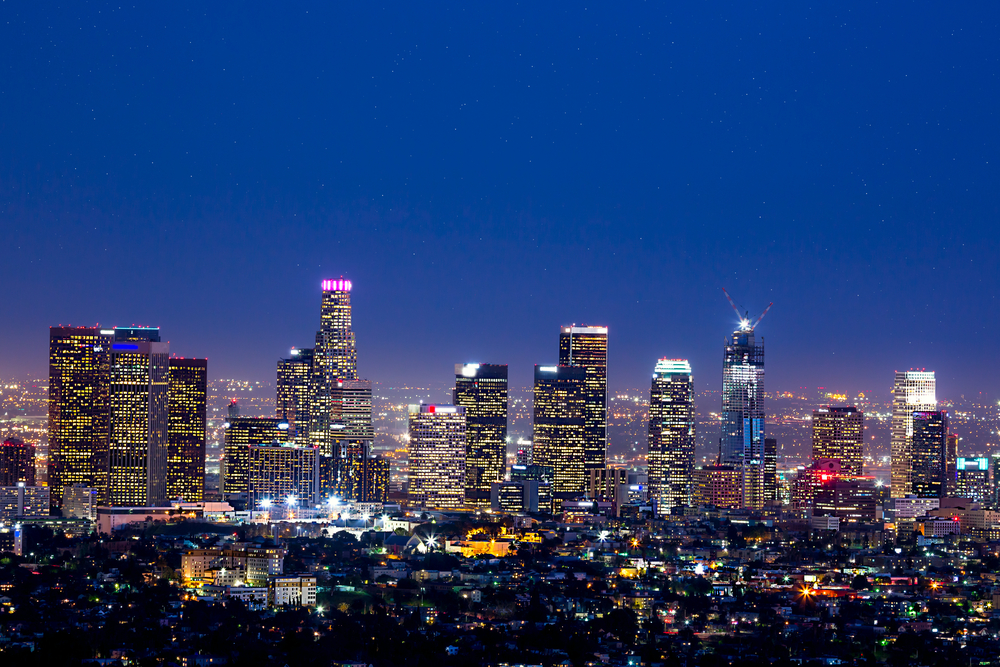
(486, 174)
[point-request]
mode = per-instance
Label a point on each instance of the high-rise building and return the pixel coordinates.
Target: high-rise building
(282, 474)
(671, 434)
(559, 439)
(186, 429)
(771, 492)
(929, 454)
(602, 484)
(17, 463)
(587, 347)
(437, 455)
(294, 391)
(351, 434)
(972, 479)
(951, 464)
(140, 379)
(912, 391)
(335, 360)
(482, 390)
(742, 443)
(544, 476)
(718, 486)
(241, 434)
(839, 433)
(79, 379)
(849, 497)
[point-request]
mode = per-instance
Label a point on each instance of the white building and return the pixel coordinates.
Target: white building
(293, 591)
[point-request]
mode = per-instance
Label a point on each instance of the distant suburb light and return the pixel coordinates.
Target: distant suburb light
(336, 285)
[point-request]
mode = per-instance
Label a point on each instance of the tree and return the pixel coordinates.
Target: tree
(860, 583)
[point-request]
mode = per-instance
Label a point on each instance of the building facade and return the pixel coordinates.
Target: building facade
(587, 347)
(241, 433)
(671, 434)
(559, 433)
(482, 390)
(138, 398)
(912, 391)
(718, 486)
(929, 455)
(437, 455)
(742, 443)
(972, 479)
(283, 475)
(839, 433)
(79, 388)
(294, 393)
(187, 426)
(17, 462)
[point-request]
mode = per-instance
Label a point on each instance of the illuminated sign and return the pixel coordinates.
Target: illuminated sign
(469, 370)
(980, 463)
(336, 285)
(107, 332)
(124, 346)
(548, 369)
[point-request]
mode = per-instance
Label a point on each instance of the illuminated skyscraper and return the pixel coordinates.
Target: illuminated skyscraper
(972, 479)
(351, 434)
(929, 455)
(839, 433)
(912, 391)
(241, 434)
(79, 379)
(17, 462)
(295, 392)
(140, 379)
(771, 469)
(186, 429)
(742, 443)
(671, 434)
(482, 390)
(437, 455)
(587, 347)
(283, 475)
(560, 421)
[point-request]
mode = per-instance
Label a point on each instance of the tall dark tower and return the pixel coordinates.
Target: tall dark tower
(560, 424)
(587, 347)
(79, 386)
(929, 462)
(671, 434)
(482, 390)
(186, 429)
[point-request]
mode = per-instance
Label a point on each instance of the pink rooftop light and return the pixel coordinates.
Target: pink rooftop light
(337, 285)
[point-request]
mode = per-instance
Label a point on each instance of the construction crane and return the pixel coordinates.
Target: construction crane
(745, 316)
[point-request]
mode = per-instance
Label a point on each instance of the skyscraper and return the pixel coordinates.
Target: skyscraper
(929, 455)
(17, 463)
(283, 475)
(482, 390)
(587, 347)
(241, 434)
(839, 433)
(140, 378)
(671, 434)
(351, 434)
(186, 429)
(560, 421)
(972, 479)
(294, 391)
(742, 443)
(771, 469)
(912, 391)
(79, 380)
(437, 455)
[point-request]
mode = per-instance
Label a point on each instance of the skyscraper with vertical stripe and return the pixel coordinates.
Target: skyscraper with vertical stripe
(587, 347)
(671, 434)
(186, 429)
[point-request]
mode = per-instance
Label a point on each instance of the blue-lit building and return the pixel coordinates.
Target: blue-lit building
(742, 442)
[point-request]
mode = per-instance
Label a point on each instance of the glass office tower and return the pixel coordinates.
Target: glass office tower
(742, 442)
(482, 390)
(671, 434)
(587, 347)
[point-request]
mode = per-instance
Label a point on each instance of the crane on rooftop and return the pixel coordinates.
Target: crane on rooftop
(745, 315)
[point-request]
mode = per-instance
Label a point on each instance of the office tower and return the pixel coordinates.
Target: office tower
(912, 391)
(482, 390)
(335, 359)
(587, 347)
(437, 455)
(847, 496)
(771, 470)
(671, 434)
(140, 379)
(839, 433)
(373, 480)
(17, 463)
(80, 502)
(20, 502)
(951, 463)
(514, 496)
(186, 429)
(559, 439)
(79, 379)
(543, 475)
(972, 479)
(351, 434)
(603, 484)
(294, 390)
(742, 443)
(928, 455)
(718, 486)
(522, 457)
(808, 481)
(282, 475)
(241, 434)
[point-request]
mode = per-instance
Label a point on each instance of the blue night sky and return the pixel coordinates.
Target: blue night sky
(484, 175)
